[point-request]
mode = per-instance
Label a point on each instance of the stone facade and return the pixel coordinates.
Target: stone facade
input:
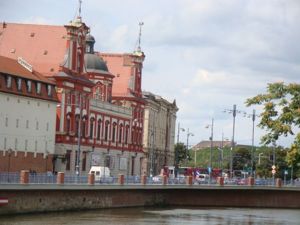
(159, 133)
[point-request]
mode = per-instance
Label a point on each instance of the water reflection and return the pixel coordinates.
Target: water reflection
(155, 216)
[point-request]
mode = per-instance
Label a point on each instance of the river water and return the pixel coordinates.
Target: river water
(160, 216)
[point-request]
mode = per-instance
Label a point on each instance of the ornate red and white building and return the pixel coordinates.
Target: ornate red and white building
(99, 118)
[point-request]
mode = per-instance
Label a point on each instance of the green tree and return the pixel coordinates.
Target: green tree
(241, 158)
(181, 154)
(280, 116)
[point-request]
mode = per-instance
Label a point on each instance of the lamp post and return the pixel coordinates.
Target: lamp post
(211, 147)
(233, 111)
(9, 151)
(178, 132)
(253, 116)
(77, 167)
(187, 144)
(176, 153)
(77, 160)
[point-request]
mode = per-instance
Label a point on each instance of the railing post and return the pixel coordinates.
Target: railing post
(250, 181)
(144, 180)
(165, 180)
(121, 179)
(24, 178)
(220, 181)
(278, 182)
(60, 178)
(189, 180)
(91, 179)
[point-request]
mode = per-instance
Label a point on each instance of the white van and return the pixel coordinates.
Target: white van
(102, 174)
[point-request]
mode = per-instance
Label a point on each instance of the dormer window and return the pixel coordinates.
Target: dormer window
(8, 81)
(19, 84)
(49, 90)
(28, 85)
(38, 88)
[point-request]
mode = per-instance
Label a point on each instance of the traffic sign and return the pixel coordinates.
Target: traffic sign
(273, 171)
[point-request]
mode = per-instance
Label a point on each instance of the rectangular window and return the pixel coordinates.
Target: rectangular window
(47, 127)
(8, 81)
(6, 121)
(27, 124)
(107, 161)
(84, 161)
(37, 125)
(76, 158)
(38, 88)
(28, 85)
(49, 90)
(35, 145)
(5, 143)
(17, 123)
(16, 144)
(68, 160)
(26, 145)
(19, 84)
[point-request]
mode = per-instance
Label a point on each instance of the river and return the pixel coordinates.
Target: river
(160, 216)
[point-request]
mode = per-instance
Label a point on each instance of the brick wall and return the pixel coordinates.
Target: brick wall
(18, 161)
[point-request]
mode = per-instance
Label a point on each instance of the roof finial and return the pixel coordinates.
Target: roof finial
(79, 11)
(140, 35)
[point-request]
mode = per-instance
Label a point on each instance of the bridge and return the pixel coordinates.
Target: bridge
(25, 197)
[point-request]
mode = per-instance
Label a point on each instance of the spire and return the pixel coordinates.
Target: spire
(79, 10)
(140, 35)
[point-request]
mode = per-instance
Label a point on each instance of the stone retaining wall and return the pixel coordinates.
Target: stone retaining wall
(40, 198)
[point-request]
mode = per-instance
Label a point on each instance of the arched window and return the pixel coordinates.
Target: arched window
(76, 125)
(114, 132)
(68, 123)
(106, 130)
(132, 135)
(120, 133)
(126, 134)
(99, 129)
(83, 134)
(92, 120)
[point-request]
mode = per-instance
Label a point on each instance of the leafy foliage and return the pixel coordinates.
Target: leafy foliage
(181, 153)
(281, 111)
(281, 117)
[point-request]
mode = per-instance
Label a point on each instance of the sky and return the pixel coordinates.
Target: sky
(206, 54)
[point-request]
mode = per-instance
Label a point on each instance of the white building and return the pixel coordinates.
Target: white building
(27, 117)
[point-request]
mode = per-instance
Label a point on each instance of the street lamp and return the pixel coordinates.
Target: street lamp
(9, 151)
(179, 129)
(187, 144)
(211, 147)
(253, 116)
(77, 162)
(176, 153)
(233, 111)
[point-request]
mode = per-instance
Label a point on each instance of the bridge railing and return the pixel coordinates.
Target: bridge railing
(46, 178)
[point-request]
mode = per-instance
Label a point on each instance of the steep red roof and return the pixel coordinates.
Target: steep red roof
(12, 67)
(42, 46)
(118, 64)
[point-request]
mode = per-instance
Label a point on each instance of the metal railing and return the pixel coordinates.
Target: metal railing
(45, 178)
